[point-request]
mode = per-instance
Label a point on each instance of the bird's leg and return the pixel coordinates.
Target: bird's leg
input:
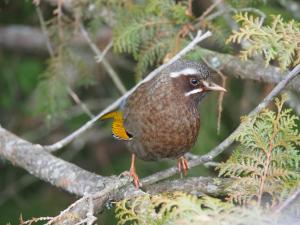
(182, 165)
(133, 173)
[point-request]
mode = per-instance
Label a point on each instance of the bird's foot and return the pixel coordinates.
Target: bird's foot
(133, 174)
(182, 165)
(135, 177)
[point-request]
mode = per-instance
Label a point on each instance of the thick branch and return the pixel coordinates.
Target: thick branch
(195, 185)
(47, 167)
(255, 70)
(31, 39)
(192, 185)
(24, 38)
(21, 38)
(75, 180)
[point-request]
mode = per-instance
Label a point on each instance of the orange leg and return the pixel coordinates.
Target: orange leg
(133, 173)
(182, 165)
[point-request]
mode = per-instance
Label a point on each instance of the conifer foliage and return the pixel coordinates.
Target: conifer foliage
(179, 208)
(149, 30)
(267, 160)
(278, 41)
(266, 163)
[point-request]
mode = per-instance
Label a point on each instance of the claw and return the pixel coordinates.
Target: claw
(182, 165)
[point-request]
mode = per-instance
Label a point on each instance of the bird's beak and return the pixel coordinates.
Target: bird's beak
(210, 86)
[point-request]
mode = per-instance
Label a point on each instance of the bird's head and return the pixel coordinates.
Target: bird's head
(191, 79)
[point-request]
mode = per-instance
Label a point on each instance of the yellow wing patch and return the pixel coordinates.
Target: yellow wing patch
(118, 129)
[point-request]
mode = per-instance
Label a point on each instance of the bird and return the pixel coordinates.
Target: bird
(160, 118)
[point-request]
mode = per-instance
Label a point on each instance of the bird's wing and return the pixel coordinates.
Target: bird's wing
(118, 129)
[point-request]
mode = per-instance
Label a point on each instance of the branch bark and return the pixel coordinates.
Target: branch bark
(254, 70)
(49, 168)
(20, 38)
(73, 179)
(193, 185)
(23, 38)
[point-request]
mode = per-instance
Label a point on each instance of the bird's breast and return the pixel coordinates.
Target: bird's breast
(162, 126)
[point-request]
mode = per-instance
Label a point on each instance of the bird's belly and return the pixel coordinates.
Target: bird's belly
(169, 136)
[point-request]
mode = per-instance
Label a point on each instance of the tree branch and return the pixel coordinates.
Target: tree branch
(288, 201)
(254, 70)
(24, 38)
(79, 210)
(21, 38)
(47, 167)
(112, 73)
(75, 180)
(192, 185)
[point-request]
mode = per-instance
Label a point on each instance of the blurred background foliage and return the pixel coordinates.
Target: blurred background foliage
(35, 102)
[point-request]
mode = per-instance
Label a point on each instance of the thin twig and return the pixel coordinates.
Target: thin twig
(80, 103)
(104, 52)
(209, 9)
(58, 145)
(45, 31)
(288, 201)
(221, 94)
(112, 73)
(230, 139)
(73, 95)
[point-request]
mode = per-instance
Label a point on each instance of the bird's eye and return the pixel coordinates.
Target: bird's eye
(194, 81)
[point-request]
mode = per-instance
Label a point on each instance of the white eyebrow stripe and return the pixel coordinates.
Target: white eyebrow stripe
(193, 92)
(187, 71)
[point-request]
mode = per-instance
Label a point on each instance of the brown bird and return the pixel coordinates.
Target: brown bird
(160, 119)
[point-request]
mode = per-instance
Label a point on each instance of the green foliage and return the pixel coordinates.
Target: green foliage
(179, 208)
(279, 41)
(51, 94)
(149, 31)
(267, 160)
(266, 164)
(63, 71)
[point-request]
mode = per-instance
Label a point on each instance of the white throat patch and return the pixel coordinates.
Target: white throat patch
(195, 91)
(185, 72)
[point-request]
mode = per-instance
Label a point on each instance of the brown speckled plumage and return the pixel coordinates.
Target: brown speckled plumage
(160, 118)
(163, 122)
